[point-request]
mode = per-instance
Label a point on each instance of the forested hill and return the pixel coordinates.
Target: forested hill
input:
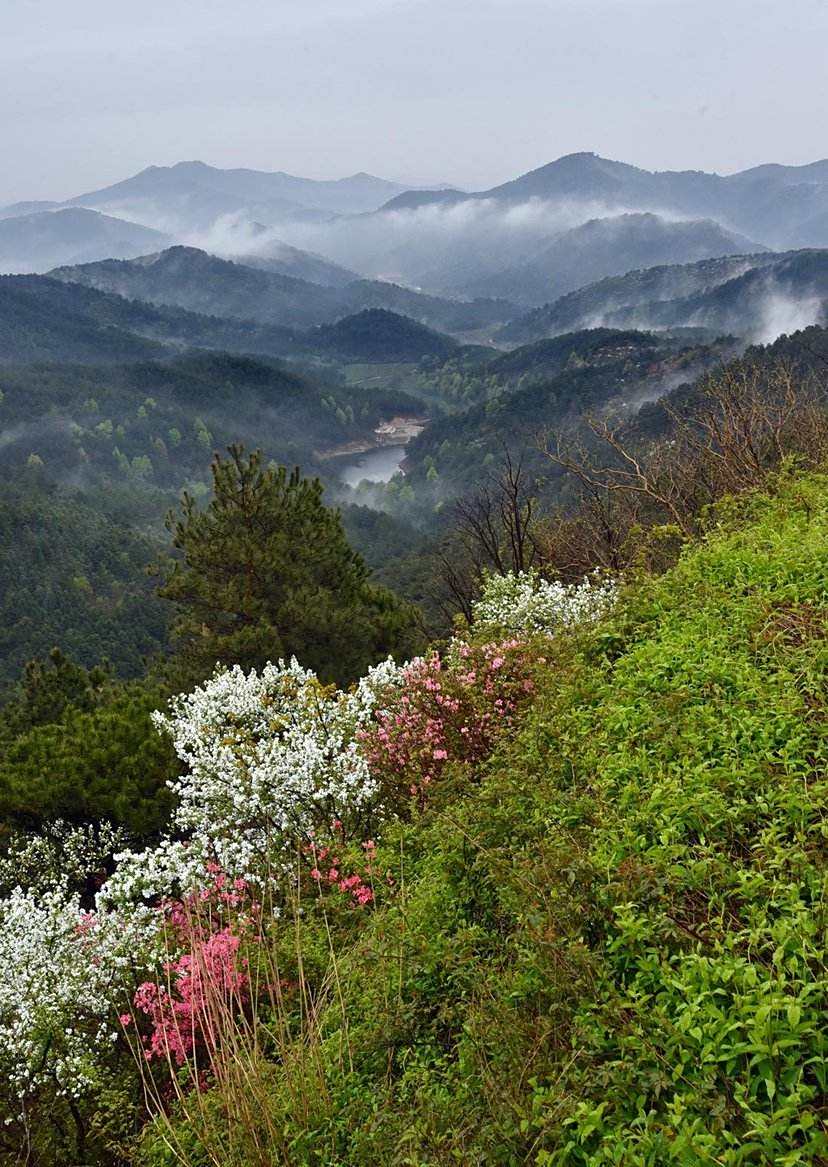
(158, 422)
(376, 334)
(74, 573)
(46, 319)
(41, 319)
(186, 277)
(755, 296)
(550, 385)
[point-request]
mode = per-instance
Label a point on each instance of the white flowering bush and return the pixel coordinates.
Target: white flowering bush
(270, 757)
(65, 975)
(525, 604)
(60, 855)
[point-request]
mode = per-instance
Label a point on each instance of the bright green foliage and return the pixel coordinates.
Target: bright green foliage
(607, 945)
(265, 571)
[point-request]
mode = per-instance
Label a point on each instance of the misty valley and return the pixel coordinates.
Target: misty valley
(146, 325)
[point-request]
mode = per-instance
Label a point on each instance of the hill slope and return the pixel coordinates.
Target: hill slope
(676, 296)
(38, 242)
(43, 319)
(779, 297)
(187, 277)
(155, 424)
(75, 575)
(604, 943)
(549, 385)
(609, 247)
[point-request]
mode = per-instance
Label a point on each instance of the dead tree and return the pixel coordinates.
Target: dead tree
(494, 530)
(743, 423)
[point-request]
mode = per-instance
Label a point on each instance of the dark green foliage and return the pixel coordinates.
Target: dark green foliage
(446, 315)
(71, 575)
(41, 320)
(48, 688)
(265, 571)
(591, 345)
(157, 424)
(73, 569)
(46, 319)
(378, 335)
(99, 760)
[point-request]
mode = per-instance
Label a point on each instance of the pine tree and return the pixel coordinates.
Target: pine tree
(265, 571)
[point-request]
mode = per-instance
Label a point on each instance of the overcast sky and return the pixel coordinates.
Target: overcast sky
(467, 91)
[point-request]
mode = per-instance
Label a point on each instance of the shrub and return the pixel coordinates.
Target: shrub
(447, 708)
(524, 604)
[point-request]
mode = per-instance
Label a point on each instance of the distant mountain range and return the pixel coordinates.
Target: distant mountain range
(278, 251)
(609, 247)
(573, 221)
(780, 206)
(193, 194)
(180, 202)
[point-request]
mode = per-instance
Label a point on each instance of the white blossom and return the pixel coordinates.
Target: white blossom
(269, 758)
(64, 981)
(524, 603)
(59, 855)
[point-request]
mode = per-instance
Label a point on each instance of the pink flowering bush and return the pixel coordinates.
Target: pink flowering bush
(330, 871)
(449, 708)
(205, 979)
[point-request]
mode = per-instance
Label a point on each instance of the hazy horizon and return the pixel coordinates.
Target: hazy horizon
(415, 91)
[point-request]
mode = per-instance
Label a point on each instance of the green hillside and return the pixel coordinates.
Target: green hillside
(45, 319)
(606, 943)
(546, 385)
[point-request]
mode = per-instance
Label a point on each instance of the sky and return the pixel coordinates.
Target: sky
(471, 92)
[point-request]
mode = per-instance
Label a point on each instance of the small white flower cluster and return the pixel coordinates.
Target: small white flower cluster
(64, 977)
(60, 855)
(523, 603)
